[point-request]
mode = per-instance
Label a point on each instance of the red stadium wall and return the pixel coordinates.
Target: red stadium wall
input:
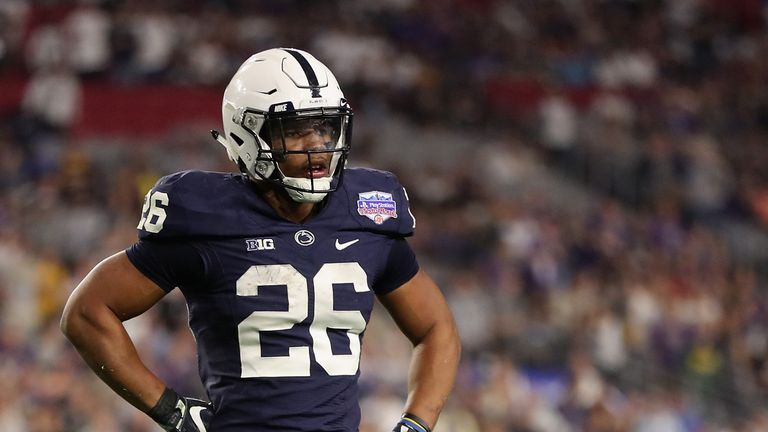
(142, 110)
(145, 110)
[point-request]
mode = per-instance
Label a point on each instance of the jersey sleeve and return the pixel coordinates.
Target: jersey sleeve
(154, 222)
(407, 219)
(401, 266)
(194, 203)
(168, 264)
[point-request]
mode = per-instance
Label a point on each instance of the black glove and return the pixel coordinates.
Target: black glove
(181, 414)
(410, 423)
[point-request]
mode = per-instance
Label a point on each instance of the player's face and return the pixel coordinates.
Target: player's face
(315, 135)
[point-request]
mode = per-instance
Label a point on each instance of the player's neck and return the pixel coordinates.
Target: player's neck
(284, 206)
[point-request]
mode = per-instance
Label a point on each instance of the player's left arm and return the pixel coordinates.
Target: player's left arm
(420, 310)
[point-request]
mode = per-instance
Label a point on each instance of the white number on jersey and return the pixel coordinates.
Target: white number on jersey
(153, 212)
(296, 363)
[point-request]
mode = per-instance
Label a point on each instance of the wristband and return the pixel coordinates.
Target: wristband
(168, 411)
(415, 422)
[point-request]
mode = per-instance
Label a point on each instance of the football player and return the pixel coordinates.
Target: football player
(279, 265)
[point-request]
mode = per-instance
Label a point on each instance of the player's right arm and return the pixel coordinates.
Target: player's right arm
(114, 291)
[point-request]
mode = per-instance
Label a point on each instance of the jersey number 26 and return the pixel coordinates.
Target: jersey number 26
(297, 362)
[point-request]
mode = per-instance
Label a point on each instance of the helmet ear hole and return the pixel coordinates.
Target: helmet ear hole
(237, 139)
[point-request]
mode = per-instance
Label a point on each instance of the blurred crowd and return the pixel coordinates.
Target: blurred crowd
(577, 169)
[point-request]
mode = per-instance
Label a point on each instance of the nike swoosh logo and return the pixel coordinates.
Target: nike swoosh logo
(194, 412)
(342, 246)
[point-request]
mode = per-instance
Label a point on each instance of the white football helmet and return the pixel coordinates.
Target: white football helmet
(277, 93)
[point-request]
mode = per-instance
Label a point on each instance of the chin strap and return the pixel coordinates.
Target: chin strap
(305, 183)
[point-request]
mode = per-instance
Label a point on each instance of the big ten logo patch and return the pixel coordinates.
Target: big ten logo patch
(260, 244)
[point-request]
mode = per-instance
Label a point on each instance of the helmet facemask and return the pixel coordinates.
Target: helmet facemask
(304, 151)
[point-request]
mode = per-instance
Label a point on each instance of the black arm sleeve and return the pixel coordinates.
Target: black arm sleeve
(168, 264)
(400, 268)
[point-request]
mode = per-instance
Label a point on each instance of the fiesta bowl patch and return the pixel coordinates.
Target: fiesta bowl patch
(376, 206)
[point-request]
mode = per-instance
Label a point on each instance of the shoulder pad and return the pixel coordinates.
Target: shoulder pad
(198, 204)
(378, 202)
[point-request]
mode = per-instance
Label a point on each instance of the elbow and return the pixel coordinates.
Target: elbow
(64, 324)
(445, 338)
(455, 342)
(77, 320)
(68, 322)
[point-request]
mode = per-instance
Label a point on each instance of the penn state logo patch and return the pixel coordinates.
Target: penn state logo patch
(304, 237)
(376, 206)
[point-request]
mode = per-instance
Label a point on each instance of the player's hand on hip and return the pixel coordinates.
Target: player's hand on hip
(175, 413)
(196, 417)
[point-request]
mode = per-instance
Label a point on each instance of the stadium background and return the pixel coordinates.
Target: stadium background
(588, 178)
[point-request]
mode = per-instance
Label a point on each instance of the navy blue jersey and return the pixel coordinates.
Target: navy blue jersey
(278, 309)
